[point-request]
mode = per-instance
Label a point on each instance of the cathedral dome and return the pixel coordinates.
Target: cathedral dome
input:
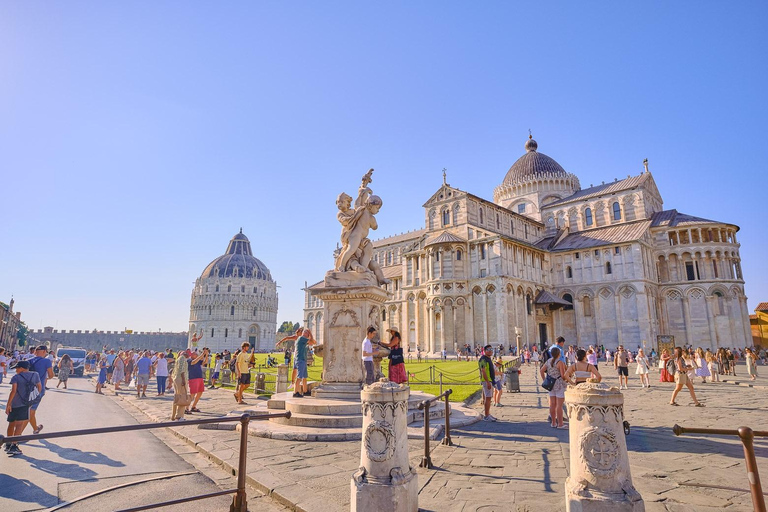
(238, 262)
(533, 164)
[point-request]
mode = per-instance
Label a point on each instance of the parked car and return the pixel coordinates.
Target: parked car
(78, 359)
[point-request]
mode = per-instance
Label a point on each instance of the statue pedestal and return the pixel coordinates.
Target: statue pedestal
(348, 312)
(599, 480)
(282, 378)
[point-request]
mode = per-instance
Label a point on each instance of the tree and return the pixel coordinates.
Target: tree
(22, 335)
(287, 327)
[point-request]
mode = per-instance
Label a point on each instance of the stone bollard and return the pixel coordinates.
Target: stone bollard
(599, 478)
(385, 480)
(282, 379)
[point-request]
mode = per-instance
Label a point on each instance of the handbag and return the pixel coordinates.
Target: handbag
(549, 383)
(181, 397)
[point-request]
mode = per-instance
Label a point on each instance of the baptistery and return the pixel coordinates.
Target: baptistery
(234, 300)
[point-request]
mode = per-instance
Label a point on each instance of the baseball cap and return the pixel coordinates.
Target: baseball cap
(21, 364)
(41, 347)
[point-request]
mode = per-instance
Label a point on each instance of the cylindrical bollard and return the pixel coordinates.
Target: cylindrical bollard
(282, 379)
(385, 480)
(599, 479)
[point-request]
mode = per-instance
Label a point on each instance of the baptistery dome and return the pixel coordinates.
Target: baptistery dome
(238, 261)
(234, 300)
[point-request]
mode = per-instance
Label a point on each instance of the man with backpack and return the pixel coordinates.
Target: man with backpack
(44, 369)
(26, 390)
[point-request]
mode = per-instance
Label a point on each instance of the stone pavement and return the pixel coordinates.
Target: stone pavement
(518, 463)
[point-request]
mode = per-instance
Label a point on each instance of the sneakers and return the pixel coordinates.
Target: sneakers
(489, 418)
(298, 395)
(7, 448)
(14, 450)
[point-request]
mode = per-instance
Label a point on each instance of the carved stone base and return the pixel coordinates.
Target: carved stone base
(401, 494)
(580, 499)
(350, 279)
(338, 390)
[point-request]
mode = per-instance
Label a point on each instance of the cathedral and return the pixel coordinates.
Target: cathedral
(234, 300)
(603, 265)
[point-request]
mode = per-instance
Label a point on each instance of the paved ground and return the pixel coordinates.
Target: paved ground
(518, 463)
(54, 471)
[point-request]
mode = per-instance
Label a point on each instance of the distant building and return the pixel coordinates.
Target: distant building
(605, 265)
(234, 300)
(10, 322)
(96, 339)
(759, 324)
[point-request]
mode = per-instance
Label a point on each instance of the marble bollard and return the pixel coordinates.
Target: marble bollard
(385, 480)
(599, 479)
(282, 378)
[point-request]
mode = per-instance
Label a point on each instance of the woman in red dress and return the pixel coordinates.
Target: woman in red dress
(397, 371)
(665, 375)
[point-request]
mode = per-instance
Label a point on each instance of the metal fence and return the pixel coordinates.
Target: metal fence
(239, 501)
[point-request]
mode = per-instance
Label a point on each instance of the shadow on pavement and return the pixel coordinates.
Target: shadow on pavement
(20, 489)
(79, 455)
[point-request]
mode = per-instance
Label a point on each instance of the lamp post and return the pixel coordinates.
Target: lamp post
(518, 332)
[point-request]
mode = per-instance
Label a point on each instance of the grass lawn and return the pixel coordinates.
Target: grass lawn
(461, 376)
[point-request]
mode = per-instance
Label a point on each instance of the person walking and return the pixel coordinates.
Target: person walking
(23, 387)
(161, 373)
(66, 366)
(554, 367)
(582, 370)
(130, 363)
(118, 372)
(103, 367)
(621, 364)
(487, 376)
(751, 360)
(643, 368)
(181, 398)
(397, 371)
(143, 369)
(196, 379)
(41, 364)
(218, 361)
(681, 370)
(712, 366)
(702, 368)
(591, 356)
(3, 364)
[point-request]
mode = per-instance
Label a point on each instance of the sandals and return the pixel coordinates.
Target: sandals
(674, 403)
(699, 405)
(195, 409)
(38, 429)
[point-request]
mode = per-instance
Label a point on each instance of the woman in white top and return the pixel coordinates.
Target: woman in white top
(643, 368)
(161, 373)
(534, 355)
(582, 370)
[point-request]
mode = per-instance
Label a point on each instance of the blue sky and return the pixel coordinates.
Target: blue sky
(136, 138)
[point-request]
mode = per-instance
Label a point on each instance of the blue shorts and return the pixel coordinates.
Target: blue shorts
(215, 375)
(34, 406)
(301, 367)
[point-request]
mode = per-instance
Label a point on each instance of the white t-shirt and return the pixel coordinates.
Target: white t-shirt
(217, 367)
(162, 368)
(367, 347)
(4, 364)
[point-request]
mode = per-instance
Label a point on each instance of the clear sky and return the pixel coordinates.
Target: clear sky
(136, 138)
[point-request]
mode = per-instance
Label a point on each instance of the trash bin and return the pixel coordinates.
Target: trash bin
(513, 379)
(259, 385)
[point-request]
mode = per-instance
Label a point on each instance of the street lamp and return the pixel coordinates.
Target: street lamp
(518, 332)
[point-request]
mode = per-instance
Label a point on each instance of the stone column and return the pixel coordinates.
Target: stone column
(687, 320)
(282, 378)
(431, 329)
(600, 479)
(744, 310)
(714, 342)
(385, 480)
(417, 319)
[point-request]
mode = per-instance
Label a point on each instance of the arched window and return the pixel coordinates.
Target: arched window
(498, 221)
(616, 211)
(458, 255)
(239, 333)
(608, 269)
(719, 304)
(254, 289)
(383, 315)
(242, 289)
(526, 230)
(206, 288)
(569, 298)
(210, 310)
(254, 311)
(226, 332)
(481, 215)
(217, 288)
(588, 216)
(211, 332)
(529, 304)
(587, 306)
(568, 272)
(446, 217)
(229, 288)
(512, 226)
(389, 258)
(232, 311)
(482, 251)
(437, 256)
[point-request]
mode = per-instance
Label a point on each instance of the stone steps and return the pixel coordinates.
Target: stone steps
(321, 420)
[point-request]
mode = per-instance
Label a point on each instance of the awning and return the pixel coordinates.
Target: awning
(545, 298)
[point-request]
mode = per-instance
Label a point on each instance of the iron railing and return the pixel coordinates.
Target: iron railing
(747, 436)
(240, 499)
(426, 460)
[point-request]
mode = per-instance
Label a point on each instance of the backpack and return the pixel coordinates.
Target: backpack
(27, 390)
(545, 357)
(671, 367)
